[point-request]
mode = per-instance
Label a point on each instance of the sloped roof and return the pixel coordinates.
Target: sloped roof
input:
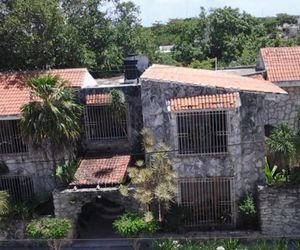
(14, 93)
(101, 98)
(282, 63)
(208, 78)
(107, 170)
(225, 101)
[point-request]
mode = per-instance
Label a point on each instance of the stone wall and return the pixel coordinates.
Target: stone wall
(245, 157)
(283, 108)
(132, 94)
(279, 210)
(68, 203)
(35, 164)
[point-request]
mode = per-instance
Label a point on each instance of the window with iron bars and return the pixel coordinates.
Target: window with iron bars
(102, 125)
(10, 137)
(202, 132)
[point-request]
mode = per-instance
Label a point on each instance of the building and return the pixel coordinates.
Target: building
(213, 122)
(282, 66)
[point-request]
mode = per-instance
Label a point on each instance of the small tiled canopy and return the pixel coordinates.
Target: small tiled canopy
(98, 99)
(101, 171)
(221, 101)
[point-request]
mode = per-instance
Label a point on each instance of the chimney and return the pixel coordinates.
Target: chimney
(134, 66)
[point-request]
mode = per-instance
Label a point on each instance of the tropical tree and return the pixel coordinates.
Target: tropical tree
(51, 120)
(282, 143)
(155, 181)
(3, 202)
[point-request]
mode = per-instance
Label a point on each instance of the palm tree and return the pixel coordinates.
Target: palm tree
(3, 202)
(282, 143)
(50, 121)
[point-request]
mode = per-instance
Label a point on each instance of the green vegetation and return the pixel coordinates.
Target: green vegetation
(248, 211)
(131, 224)
(155, 181)
(98, 34)
(227, 244)
(273, 176)
(4, 203)
(52, 229)
(66, 172)
(51, 121)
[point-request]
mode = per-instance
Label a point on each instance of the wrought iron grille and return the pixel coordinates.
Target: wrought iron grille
(10, 137)
(19, 187)
(207, 201)
(202, 132)
(101, 124)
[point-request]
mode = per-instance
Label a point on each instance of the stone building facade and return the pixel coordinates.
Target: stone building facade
(245, 158)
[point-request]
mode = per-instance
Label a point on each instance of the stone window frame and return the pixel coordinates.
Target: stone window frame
(108, 139)
(212, 153)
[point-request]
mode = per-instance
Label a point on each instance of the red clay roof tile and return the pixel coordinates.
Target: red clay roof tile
(282, 63)
(222, 101)
(208, 78)
(102, 98)
(14, 93)
(109, 170)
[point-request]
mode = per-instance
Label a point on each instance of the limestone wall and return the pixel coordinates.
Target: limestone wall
(279, 210)
(283, 108)
(245, 158)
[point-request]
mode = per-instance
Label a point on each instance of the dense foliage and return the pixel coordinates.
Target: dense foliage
(4, 204)
(48, 228)
(98, 34)
(131, 224)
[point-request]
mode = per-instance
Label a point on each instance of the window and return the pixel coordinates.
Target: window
(207, 201)
(202, 132)
(10, 137)
(101, 124)
(19, 187)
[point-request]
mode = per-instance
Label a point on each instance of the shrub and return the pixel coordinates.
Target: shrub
(131, 224)
(4, 204)
(248, 211)
(20, 210)
(167, 245)
(48, 228)
(230, 244)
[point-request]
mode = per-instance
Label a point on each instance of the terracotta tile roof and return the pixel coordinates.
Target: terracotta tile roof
(103, 98)
(94, 171)
(282, 63)
(230, 100)
(14, 93)
(208, 78)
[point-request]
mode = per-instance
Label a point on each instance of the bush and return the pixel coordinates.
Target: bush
(248, 211)
(167, 245)
(131, 224)
(49, 228)
(20, 210)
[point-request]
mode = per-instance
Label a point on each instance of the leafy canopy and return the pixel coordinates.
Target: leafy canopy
(52, 117)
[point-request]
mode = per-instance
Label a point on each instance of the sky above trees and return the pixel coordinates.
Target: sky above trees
(163, 10)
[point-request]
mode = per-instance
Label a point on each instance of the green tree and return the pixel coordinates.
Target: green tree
(51, 121)
(155, 182)
(282, 143)
(33, 35)
(3, 203)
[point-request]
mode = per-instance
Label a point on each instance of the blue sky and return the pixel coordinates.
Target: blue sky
(162, 10)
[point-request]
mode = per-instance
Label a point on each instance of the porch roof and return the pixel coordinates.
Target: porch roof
(225, 101)
(101, 171)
